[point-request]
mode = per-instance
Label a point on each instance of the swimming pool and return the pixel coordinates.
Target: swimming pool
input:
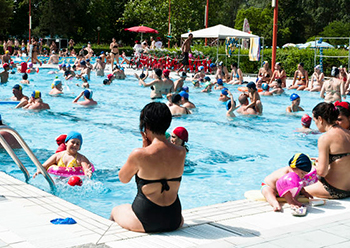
(226, 158)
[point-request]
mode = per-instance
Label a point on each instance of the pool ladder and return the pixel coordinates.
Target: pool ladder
(29, 152)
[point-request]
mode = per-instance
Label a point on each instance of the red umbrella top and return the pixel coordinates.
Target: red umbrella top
(141, 29)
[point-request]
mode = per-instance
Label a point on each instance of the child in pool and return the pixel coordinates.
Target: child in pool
(25, 79)
(306, 123)
(254, 97)
(231, 106)
(70, 157)
(179, 136)
(300, 164)
(295, 98)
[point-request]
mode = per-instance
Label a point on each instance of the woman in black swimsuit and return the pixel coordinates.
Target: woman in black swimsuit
(333, 155)
(158, 167)
(114, 52)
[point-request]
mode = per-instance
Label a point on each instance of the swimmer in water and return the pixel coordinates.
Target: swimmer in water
(224, 95)
(56, 87)
(306, 123)
(254, 96)
(219, 84)
(70, 158)
(25, 79)
(295, 98)
(179, 137)
(180, 82)
(175, 108)
(266, 91)
(35, 102)
(231, 106)
(88, 101)
(278, 90)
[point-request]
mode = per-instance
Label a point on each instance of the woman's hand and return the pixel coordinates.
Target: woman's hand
(36, 173)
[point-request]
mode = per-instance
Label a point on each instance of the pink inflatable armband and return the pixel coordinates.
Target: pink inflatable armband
(289, 183)
(310, 178)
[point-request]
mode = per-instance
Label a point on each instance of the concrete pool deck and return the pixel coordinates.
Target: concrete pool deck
(26, 211)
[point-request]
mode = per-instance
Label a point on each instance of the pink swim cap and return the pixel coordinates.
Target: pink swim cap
(306, 120)
(289, 183)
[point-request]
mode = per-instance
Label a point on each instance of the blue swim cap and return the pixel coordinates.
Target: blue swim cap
(207, 78)
(220, 82)
(83, 62)
(74, 135)
(64, 65)
(185, 88)
(68, 66)
(184, 94)
(228, 104)
(265, 86)
(17, 87)
(212, 65)
(224, 91)
(88, 60)
(88, 93)
(294, 97)
(102, 52)
(200, 68)
(56, 82)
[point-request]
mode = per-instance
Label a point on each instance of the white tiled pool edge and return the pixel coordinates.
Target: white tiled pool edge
(25, 214)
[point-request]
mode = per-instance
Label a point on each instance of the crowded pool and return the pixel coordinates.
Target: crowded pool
(226, 158)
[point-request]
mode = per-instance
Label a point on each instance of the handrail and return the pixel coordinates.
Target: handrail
(29, 153)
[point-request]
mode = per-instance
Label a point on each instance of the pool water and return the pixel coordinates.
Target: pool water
(226, 158)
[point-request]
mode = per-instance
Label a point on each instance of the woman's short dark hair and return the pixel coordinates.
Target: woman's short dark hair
(25, 76)
(301, 64)
(327, 111)
(176, 98)
(158, 72)
(156, 117)
(234, 65)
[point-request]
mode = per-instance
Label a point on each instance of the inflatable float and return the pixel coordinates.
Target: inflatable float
(67, 171)
(9, 102)
(245, 89)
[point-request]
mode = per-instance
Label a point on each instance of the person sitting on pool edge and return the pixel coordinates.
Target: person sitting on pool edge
(56, 87)
(295, 98)
(185, 102)
(254, 96)
(70, 157)
(179, 137)
(88, 101)
(300, 164)
(157, 166)
(175, 108)
(35, 102)
(243, 110)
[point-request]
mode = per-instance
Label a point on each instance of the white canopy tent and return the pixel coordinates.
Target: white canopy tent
(220, 32)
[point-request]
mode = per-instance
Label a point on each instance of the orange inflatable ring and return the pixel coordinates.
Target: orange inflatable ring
(245, 89)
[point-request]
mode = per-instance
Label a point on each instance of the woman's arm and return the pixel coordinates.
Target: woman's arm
(323, 156)
(273, 77)
(295, 77)
(85, 163)
(130, 168)
(240, 73)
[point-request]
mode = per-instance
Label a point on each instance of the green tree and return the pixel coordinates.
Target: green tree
(6, 13)
(260, 22)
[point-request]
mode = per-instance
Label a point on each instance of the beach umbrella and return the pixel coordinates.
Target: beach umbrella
(313, 44)
(288, 45)
(141, 29)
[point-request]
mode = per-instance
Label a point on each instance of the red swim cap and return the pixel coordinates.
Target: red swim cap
(109, 76)
(306, 120)
(5, 65)
(182, 133)
(342, 104)
(75, 181)
(166, 72)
